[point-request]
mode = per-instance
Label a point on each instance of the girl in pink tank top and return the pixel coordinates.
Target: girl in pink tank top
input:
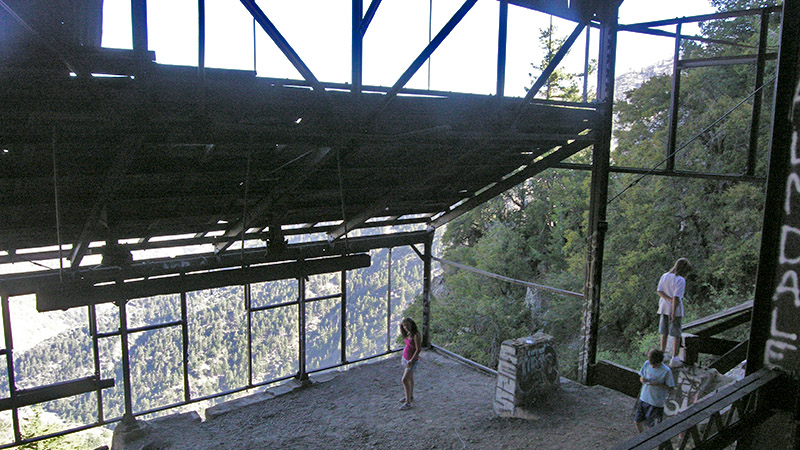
(411, 336)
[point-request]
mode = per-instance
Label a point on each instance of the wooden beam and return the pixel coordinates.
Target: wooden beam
(616, 377)
(72, 294)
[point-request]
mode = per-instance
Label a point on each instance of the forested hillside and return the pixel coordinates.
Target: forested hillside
(538, 230)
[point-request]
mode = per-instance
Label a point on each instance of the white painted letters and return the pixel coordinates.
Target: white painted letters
(793, 180)
(789, 283)
(785, 230)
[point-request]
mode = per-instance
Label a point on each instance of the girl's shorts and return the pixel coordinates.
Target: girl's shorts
(672, 328)
(411, 367)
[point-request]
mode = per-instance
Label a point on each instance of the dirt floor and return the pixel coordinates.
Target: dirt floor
(358, 409)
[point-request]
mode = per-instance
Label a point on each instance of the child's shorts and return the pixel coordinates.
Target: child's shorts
(672, 328)
(645, 412)
(411, 367)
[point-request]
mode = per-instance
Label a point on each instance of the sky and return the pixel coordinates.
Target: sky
(319, 31)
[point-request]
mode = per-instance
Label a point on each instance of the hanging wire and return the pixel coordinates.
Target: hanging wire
(58, 216)
(245, 225)
(430, 21)
(686, 144)
(341, 198)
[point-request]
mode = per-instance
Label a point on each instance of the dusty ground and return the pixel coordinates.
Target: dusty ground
(358, 409)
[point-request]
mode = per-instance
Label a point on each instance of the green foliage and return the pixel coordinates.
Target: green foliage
(537, 231)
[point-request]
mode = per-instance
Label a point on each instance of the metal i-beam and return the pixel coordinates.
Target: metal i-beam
(282, 44)
(775, 317)
(674, 103)
(703, 17)
(368, 16)
(13, 285)
(657, 32)
(601, 161)
(427, 52)
(756, 115)
(502, 39)
(357, 50)
(72, 294)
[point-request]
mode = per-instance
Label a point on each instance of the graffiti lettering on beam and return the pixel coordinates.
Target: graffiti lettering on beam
(781, 348)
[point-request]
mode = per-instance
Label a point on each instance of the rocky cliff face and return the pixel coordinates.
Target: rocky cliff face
(632, 80)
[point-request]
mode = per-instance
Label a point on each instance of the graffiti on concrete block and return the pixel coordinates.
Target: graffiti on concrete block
(537, 372)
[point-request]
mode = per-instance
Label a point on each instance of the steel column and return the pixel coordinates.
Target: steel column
(502, 39)
(357, 45)
(301, 324)
(201, 38)
(674, 102)
(12, 385)
(249, 319)
(756, 115)
(599, 192)
(426, 290)
(126, 367)
(586, 65)
(139, 25)
(778, 211)
(389, 302)
(187, 393)
(344, 317)
(96, 358)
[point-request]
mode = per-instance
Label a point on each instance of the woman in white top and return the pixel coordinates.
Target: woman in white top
(671, 289)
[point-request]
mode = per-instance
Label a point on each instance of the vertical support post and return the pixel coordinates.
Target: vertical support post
(139, 25)
(774, 267)
(674, 102)
(502, 42)
(426, 290)
(344, 317)
(201, 38)
(12, 385)
(358, 45)
(249, 319)
(127, 417)
(96, 358)
(389, 302)
(586, 65)
(187, 394)
(599, 193)
(757, 99)
(301, 324)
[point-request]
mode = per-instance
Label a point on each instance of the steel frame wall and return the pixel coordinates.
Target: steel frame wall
(97, 385)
